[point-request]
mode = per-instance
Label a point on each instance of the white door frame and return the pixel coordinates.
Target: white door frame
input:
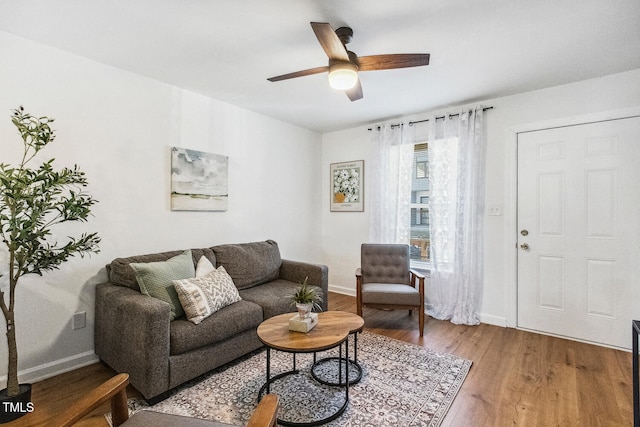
(511, 224)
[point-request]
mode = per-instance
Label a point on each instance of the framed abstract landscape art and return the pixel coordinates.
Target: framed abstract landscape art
(347, 186)
(199, 180)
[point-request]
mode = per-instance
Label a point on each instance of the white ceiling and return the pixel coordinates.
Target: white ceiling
(226, 49)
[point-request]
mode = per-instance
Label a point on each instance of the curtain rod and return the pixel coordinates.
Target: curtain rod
(437, 118)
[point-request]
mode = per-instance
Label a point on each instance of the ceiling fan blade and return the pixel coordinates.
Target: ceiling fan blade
(388, 62)
(355, 92)
(301, 73)
(329, 41)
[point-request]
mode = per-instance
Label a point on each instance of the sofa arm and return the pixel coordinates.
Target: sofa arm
(318, 275)
(132, 336)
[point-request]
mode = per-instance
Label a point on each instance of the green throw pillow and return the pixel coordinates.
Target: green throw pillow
(156, 279)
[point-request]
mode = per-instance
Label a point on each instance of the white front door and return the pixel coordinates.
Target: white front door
(579, 230)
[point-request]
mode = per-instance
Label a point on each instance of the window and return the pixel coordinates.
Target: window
(420, 235)
(422, 169)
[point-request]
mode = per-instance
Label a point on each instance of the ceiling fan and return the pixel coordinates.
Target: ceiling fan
(344, 65)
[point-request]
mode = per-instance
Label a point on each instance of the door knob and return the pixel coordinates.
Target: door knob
(525, 246)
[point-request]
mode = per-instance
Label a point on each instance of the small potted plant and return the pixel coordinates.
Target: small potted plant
(306, 298)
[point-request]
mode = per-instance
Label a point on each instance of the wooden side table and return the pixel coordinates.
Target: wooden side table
(328, 333)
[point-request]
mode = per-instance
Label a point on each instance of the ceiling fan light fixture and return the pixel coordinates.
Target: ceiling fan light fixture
(343, 75)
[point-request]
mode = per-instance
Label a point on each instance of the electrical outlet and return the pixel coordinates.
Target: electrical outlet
(495, 210)
(79, 320)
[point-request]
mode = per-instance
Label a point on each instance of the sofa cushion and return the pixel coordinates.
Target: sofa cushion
(273, 297)
(250, 264)
(121, 273)
(225, 323)
(156, 279)
(390, 293)
(200, 297)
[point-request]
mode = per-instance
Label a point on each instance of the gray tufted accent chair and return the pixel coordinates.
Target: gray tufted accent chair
(385, 280)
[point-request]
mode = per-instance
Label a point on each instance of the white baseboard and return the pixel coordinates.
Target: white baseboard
(342, 290)
(490, 319)
(51, 369)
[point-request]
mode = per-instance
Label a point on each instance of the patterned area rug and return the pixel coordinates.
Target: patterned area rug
(401, 385)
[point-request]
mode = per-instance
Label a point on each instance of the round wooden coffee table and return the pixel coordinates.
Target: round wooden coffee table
(330, 332)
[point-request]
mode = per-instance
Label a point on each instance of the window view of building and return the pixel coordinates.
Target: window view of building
(420, 236)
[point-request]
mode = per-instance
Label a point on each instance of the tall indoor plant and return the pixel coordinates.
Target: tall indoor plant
(32, 201)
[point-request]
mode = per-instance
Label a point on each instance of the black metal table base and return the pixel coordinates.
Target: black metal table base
(355, 366)
(267, 386)
(353, 363)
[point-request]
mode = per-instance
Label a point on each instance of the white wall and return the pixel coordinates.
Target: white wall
(118, 127)
(344, 232)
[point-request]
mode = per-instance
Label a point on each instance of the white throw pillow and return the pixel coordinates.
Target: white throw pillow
(202, 296)
(204, 267)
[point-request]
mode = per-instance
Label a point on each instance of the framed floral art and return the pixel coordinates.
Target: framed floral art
(347, 186)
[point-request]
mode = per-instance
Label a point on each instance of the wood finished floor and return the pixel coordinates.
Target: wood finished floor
(518, 378)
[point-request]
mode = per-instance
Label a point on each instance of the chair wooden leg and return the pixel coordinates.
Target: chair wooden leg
(359, 294)
(119, 409)
(421, 322)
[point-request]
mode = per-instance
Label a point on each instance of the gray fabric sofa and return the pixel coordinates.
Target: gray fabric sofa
(133, 333)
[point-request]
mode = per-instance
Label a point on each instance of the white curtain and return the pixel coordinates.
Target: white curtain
(457, 149)
(390, 183)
